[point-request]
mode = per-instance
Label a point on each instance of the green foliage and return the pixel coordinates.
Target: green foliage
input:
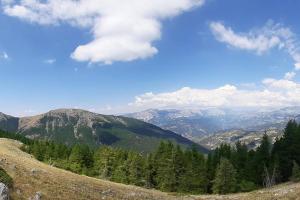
(135, 163)
(172, 168)
(5, 178)
(262, 159)
(14, 136)
(225, 180)
(119, 132)
(81, 158)
(286, 150)
(246, 186)
(296, 172)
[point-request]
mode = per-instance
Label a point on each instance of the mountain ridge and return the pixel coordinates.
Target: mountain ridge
(211, 126)
(72, 126)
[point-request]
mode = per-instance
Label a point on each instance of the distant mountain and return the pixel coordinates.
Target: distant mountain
(208, 125)
(72, 126)
(251, 138)
(188, 123)
(8, 122)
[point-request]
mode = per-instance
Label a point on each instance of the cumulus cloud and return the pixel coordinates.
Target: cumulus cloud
(272, 92)
(122, 30)
(289, 75)
(260, 40)
(297, 66)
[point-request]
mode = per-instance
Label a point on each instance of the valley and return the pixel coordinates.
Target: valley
(210, 127)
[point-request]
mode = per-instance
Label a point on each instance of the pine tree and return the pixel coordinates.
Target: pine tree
(210, 171)
(38, 150)
(150, 172)
(287, 150)
(262, 160)
(135, 169)
(166, 173)
(76, 159)
(225, 180)
(239, 160)
(296, 172)
(104, 162)
(121, 173)
(195, 178)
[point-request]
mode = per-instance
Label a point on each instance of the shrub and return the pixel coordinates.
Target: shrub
(246, 186)
(5, 178)
(296, 172)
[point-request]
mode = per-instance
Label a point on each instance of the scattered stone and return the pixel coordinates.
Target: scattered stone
(106, 192)
(37, 196)
(4, 192)
(34, 171)
(18, 191)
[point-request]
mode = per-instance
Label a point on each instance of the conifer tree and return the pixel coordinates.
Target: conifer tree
(150, 172)
(225, 180)
(296, 172)
(262, 160)
(135, 168)
(104, 160)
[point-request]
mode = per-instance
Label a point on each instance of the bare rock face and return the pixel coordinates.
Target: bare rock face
(4, 192)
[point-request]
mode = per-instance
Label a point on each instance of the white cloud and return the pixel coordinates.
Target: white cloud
(289, 75)
(260, 40)
(297, 66)
(50, 61)
(122, 30)
(257, 42)
(4, 55)
(272, 92)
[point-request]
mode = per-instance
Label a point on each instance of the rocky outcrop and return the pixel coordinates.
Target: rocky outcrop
(4, 192)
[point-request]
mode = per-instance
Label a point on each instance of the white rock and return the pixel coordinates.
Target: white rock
(4, 192)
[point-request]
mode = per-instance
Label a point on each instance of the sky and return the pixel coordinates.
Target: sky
(125, 56)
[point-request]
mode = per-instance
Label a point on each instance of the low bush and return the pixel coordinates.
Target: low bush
(5, 178)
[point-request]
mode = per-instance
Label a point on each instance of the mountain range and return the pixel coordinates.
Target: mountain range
(72, 126)
(212, 126)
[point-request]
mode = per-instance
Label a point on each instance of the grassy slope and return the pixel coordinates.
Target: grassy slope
(60, 184)
(120, 132)
(55, 183)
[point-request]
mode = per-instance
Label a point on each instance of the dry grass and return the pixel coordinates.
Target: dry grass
(288, 191)
(31, 176)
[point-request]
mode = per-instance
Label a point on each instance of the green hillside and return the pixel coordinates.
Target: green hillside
(72, 126)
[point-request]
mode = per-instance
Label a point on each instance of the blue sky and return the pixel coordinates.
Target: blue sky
(197, 53)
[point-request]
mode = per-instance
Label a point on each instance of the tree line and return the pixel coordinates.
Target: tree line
(170, 168)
